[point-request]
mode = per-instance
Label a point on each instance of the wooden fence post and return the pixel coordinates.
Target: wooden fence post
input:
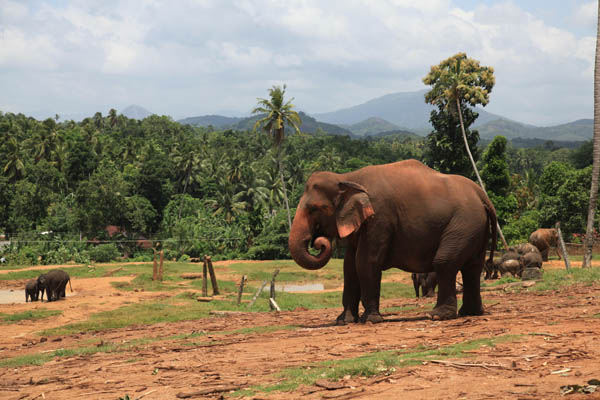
(257, 293)
(205, 277)
(241, 290)
(213, 277)
(563, 248)
(154, 268)
(272, 304)
(160, 268)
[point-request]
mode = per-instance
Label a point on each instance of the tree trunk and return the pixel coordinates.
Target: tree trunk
(589, 232)
(285, 199)
(464, 135)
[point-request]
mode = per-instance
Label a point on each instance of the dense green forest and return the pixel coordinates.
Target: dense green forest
(205, 191)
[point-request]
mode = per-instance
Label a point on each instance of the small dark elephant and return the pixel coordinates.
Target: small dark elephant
(54, 282)
(532, 260)
(491, 269)
(543, 239)
(32, 291)
(426, 281)
(403, 215)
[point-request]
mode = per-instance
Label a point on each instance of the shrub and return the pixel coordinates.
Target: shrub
(104, 252)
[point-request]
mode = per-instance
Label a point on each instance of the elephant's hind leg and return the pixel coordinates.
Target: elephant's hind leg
(445, 307)
(472, 304)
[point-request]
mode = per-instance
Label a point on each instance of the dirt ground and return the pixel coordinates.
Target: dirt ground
(558, 344)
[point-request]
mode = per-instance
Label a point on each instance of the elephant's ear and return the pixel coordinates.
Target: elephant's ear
(353, 209)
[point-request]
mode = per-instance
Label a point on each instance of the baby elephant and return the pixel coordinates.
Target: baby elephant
(532, 260)
(512, 266)
(31, 290)
(426, 281)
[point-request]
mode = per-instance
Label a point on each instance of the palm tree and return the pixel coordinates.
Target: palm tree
(186, 163)
(112, 117)
(278, 115)
(589, 238)
(456, 81)
(14, 166)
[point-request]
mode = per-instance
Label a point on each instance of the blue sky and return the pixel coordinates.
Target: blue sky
(196, 57)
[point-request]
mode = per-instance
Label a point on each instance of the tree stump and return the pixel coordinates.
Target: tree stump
(241, 290)
(213, 277)
(532, 274)
(154, 268)
(160, 268)
(204, 278)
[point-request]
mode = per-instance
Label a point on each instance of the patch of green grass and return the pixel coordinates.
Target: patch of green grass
(27, 315)
(554, 279)
(596, 315)
(377, 363)
(394, 290)
(29, 359)
(144, 282)
(42, 358)
(501, 281)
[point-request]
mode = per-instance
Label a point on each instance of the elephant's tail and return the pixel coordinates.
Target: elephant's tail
(493, 221)
(70, 285)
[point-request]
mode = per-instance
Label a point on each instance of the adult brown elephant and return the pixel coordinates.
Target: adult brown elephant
(402, 215)
(543, 239)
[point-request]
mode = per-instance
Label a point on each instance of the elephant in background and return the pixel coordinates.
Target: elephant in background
(54, 282)
(403, 215)
(426, 281)
(32, 291)
(532, 260)
(543, 239)
(511, 266)
(525, 248)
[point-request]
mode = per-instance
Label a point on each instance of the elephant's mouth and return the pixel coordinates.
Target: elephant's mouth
(316, 234)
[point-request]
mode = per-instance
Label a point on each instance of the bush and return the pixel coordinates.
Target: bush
(58, 256)
(82, 257)
(272, 243)
(518, 230)
(104, 252)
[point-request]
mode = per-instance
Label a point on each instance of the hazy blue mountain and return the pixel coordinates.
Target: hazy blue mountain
(136, 112)
(407, 110)
(371, 126)
(579, 130)
(217, 121)
(309, 125)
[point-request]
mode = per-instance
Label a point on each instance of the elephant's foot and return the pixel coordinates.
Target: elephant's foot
(371, 316)
(347, 317)
(443, 312)
(471, 309)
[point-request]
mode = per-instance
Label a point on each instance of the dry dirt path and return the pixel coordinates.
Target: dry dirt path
(554, 331)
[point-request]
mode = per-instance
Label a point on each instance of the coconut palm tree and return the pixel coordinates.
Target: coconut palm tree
(14, 166)
(278, 114)
(589, 238)
(456, 81)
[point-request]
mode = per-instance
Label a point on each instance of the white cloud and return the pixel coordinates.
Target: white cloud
(586, 14)
(213, 54)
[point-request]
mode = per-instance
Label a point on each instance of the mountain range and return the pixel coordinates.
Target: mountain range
(404, 113)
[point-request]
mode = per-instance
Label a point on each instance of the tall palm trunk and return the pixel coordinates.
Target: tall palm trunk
(464, 135)
(285, 199)
(589, 232)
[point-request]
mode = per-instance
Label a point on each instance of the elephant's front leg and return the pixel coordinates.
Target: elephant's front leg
(351, 295)
(370, 257)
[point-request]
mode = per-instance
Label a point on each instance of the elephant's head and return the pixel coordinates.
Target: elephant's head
(329, 208)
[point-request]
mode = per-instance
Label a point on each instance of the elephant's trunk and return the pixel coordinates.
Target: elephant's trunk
(300, 237)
